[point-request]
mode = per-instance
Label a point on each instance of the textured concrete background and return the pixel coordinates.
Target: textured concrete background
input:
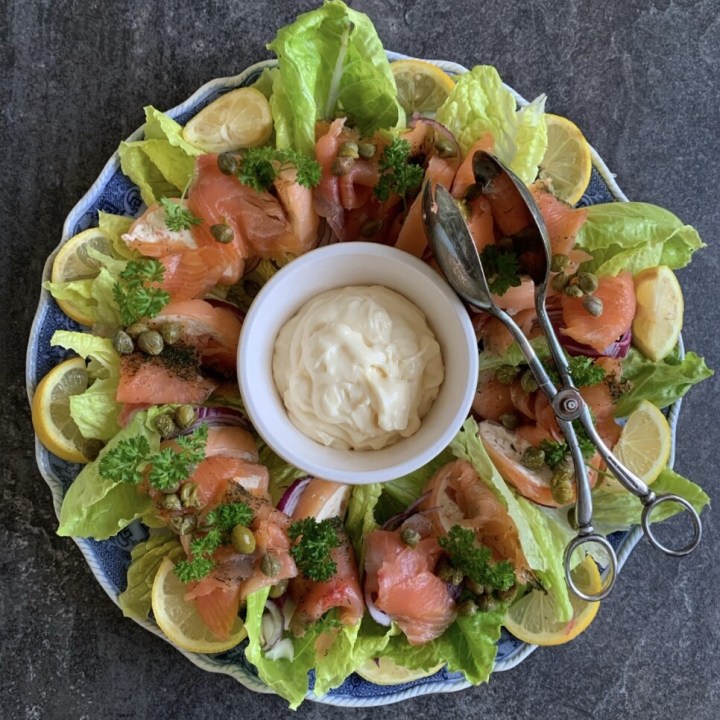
(640, 77)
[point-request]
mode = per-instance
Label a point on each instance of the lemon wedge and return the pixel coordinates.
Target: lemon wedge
(74, 263)
(180, 620)
(383, 671)
(532, 618)
(51, 419)
(238, 119)
(422, 87)
(659, 313)
(567, 160)
(644, 445)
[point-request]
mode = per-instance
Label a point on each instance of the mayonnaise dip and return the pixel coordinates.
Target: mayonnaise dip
(357, 368)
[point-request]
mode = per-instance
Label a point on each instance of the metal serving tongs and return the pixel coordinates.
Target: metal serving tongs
(458, 257)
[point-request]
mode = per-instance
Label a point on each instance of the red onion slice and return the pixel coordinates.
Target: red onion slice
(619, 349)
(215, 417)
(272, 624)
(396, 521)
(377, 615)
(290, 498)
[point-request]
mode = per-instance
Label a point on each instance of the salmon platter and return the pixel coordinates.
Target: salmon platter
(303, 586)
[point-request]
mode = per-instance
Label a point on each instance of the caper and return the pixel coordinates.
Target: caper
(474, 587)
(450, 575)
(410, 537)
(587, 282)
(91, 448)
(507, 595)
(467, 608)
(222, 232)
(184, 416)
(228, 163)
(445, 148)
(528, 382)
(188, 493)
(270, 564)
(533, 458)
(510, 420)
(244, 542)
(473, 192)
(559, 281)
(559, 262)
(506, 374)
(594, 305)
(487, 603)
(341, 166)
(123, 343)
(561, 483)
(165, 425)
(151, 342)
(371, 228)
(136, 329)
(572, 290)
(170, 502)
(183, 524)
(279, 589)
(171, 332)
(366, 150)
(348, 149)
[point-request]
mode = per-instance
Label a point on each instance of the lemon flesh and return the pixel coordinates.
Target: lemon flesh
(179, 619)
(73, 262)
(422, 87)
(51, 419)
(238, 119)
(567, 160)
(659, 313)
(384, 671)
(644, 445)
(532, 619)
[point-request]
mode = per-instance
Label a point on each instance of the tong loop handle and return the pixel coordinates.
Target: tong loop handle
(609, 575)
(652, 506)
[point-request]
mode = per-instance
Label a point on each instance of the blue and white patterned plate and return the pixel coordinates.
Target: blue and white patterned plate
(112, 192)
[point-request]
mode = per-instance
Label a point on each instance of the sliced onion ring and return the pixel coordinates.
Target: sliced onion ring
(290, 498)
(378, 615)
(271, 628)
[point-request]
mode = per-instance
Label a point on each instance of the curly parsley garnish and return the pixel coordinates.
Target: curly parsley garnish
(136, 293)
(557, 451)
(260, 166)
(583, 370)
(123, 463)
(314, 543)
(226, 517)
(170, 467)
(398, 174)
(502, 269)
(177, 216)
(474, 560)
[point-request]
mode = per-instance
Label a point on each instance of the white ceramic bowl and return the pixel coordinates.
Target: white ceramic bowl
(341, 265)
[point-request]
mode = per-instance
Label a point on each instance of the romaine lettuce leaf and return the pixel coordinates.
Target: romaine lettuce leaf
(634, 236)
(360, 519)
(163, 163)
(94, 411)
(331, 59)
(620, 511)
(480, 104)
(115, 226)
(135, 601)
(513, 355)
(663, 382)
(282, 474)
(541, 546)
(98, 508)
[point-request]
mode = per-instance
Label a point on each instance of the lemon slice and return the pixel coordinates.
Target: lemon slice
(74, 263)
(384, 671)
(422, 87)
(644, 445)
(51, 419)
(659, 314)
(179, 619)
(567, 160)
(532, 618)
(239, 119)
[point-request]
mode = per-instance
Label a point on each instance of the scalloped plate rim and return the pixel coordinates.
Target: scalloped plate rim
(42, 456)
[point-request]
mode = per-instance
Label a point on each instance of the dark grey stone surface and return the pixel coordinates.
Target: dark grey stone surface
(640, 77)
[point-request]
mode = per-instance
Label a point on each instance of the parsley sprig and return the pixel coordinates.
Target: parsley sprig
(226, 517)
(177, 216)
(314, 541)
(124, 462)
(583, 370)
(398, 174)
(260, 166)
(137, 294)
(556, 451)
(474, 560)
(170, 466)
(502, 269)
